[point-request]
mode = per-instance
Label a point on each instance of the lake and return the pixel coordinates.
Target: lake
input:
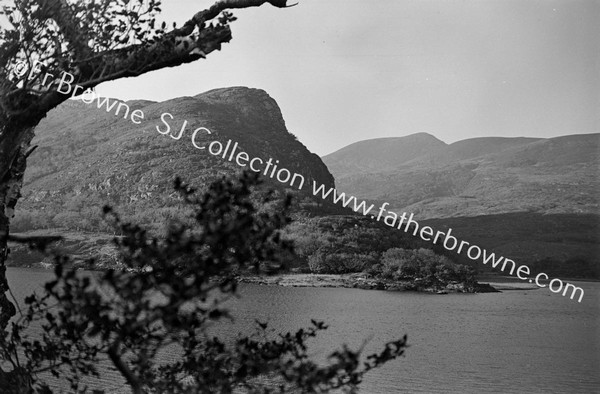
(512, 342)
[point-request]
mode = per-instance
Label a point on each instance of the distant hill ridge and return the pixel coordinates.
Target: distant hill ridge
(381, 153)
(478, 176)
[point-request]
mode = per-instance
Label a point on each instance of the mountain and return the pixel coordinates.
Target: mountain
(380, 154)
(533, 199)
(88, 156)
(479, 176)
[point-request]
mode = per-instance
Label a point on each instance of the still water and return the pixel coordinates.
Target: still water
(518, 341)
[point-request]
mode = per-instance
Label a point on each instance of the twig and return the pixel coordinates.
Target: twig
(15, 300)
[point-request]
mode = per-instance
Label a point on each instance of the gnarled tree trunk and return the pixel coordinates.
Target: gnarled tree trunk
(14, 147)
(14, 158)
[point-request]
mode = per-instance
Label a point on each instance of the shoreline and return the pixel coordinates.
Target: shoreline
(484, 283)
(362, 281)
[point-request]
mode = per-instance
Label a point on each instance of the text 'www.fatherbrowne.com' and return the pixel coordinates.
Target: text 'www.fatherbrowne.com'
(449, 242)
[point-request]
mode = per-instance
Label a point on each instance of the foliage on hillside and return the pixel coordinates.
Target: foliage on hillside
(423, 264)
(564, 246)
(341, 244)
(351, 244)
(333, 244)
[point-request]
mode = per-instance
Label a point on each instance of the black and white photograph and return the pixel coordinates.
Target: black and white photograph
(299, 196)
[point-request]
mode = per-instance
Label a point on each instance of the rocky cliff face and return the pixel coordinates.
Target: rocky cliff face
(88, 156)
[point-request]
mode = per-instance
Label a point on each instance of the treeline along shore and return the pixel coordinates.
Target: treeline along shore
(330, 251)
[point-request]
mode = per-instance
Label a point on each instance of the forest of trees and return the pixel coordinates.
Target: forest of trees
(345, 244)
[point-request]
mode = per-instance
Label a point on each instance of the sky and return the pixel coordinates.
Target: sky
(345, 70)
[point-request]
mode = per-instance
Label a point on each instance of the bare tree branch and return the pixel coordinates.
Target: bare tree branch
(222, 5)
(115, 357)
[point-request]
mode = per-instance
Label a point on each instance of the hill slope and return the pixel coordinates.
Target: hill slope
(88, 157)
(478, 176)
(380, 154)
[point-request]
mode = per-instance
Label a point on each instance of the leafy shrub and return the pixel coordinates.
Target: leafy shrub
(115, 314)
